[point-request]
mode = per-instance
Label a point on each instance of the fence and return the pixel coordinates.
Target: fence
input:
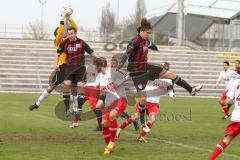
(8, 31)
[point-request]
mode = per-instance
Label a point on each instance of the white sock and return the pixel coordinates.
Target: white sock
(75, 106)
(43, 96)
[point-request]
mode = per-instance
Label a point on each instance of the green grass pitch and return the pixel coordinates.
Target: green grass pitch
(187, 129)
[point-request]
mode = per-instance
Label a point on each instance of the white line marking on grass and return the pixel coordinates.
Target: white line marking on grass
(81, 124)
(159, 140)
(185, 145)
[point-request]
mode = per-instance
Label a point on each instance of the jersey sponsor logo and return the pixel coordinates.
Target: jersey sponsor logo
(72, 49)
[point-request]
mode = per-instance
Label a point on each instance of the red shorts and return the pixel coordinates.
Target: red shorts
(119, 105)
(91, 93)
(232, 129)
(223, 95)
(150, 108)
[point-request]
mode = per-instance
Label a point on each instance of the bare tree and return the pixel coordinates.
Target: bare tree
(107, 21)
(131, 24)
(36, 31)
(140, 11)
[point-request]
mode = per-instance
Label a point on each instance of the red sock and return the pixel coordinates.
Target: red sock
(218, 150)
(222, 104)
(106, 134)
(143, 133)
(126, 123)
(226, 111)
(113, 129)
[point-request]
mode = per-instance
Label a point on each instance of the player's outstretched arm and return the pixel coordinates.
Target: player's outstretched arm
(73, 23)
(94, 56)
(152, 46)
(220, 78)
(60, 34)
(90, 51)
(217, 84)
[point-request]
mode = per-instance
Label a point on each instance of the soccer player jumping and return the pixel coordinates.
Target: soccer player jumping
(139, 68)
(75, 49)
(153, 89)
(58, 77)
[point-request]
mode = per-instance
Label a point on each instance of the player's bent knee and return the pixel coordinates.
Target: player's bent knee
(228, 139)
(80, 84)
(50, 89)
(153, 117)
(67, 85)
(113, 114)
(220, 99)
(142, 100)
(169, 74)
(99, 104)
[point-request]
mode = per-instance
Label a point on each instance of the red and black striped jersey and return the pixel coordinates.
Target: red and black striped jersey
(75, 51)
(137, 52)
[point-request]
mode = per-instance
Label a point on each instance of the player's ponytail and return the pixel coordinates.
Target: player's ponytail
(145, 25)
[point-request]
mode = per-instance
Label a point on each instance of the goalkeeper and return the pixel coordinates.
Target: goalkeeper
(58, 75)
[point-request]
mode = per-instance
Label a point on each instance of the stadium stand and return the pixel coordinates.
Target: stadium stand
(25, 65)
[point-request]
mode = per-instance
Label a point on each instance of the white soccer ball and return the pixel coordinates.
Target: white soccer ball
(66, 11)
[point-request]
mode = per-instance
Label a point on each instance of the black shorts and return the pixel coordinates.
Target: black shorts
(75, 74)
(151, 72)
(57, 77)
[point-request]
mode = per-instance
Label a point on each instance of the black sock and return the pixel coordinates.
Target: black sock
(66, 100)
(142, 110)
(81, 101)
(182, 83)
(98, 113)
(229, 106)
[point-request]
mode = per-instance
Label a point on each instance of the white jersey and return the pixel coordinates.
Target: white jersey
(234, 93)
(109, 84)
(157, 88)
(91, 75)
(228, 77)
